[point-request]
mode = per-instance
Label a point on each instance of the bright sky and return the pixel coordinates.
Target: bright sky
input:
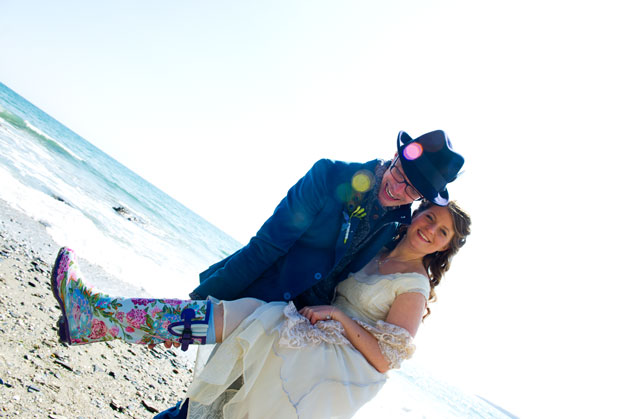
(225, 104)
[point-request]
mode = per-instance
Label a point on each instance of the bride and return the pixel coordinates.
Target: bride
(318, 362)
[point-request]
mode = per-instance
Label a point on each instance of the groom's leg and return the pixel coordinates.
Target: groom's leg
(179, 411)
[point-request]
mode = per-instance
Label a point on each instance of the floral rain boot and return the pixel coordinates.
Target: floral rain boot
(88, 316)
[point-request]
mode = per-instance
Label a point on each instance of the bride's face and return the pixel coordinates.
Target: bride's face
(431, 230)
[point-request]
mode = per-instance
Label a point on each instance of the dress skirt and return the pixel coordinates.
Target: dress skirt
(289, 369)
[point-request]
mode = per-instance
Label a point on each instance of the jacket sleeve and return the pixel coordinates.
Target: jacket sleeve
(291, 218)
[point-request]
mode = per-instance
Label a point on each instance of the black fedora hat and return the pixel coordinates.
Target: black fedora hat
(429, 163)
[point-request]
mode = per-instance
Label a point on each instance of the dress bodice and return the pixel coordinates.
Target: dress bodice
(370, 296)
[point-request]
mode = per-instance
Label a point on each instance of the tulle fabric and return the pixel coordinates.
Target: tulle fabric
(291, 369)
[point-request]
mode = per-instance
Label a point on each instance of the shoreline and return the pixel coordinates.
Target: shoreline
(42, 378)
(22, 228)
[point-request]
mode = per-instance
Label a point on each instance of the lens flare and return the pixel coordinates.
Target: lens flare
(361, 182)
(412, 151)
(343, 192)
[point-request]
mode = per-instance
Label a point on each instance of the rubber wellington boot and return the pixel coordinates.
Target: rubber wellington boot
(88, 316)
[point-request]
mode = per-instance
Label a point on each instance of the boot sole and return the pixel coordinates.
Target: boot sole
(63, 332)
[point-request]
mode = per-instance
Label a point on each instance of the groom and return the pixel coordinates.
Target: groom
(332, 222)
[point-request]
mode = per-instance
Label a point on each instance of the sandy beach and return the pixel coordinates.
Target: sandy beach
(41, 378)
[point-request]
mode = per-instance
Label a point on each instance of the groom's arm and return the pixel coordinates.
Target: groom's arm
(291, 218)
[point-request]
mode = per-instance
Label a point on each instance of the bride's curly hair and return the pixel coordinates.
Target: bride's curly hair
(438, 263)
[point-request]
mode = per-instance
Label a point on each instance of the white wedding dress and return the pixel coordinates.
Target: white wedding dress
(291, 369)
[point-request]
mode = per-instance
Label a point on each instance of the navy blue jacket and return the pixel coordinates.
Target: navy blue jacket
(302, 241)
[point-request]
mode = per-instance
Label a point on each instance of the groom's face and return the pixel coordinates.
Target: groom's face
(394, 192)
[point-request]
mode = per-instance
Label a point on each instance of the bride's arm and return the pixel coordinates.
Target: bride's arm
(405, 312)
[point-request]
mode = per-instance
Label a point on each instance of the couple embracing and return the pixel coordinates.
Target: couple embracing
(318, 306)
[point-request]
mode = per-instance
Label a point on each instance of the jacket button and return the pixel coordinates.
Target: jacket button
(287, 296)
(318, 276)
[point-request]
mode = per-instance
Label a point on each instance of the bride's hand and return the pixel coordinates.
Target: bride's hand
(318, 313)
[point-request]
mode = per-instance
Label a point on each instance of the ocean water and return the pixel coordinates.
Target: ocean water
(63, 181)
(116, 220)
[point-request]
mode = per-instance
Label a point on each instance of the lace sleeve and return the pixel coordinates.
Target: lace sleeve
(297, 332)
(395, 342)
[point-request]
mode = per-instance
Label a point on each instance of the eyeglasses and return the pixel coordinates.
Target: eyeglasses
(399, 177)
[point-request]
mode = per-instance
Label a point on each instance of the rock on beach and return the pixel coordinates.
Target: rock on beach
(42, 378)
